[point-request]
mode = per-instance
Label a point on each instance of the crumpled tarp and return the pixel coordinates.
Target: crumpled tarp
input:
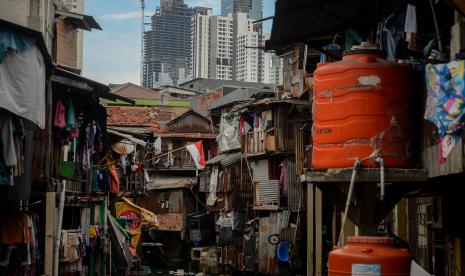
(22, 84)
(228, 137)
(9, 39)
(445, 104)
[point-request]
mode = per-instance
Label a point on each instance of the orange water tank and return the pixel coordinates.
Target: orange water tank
(360, 110)
(369, 256)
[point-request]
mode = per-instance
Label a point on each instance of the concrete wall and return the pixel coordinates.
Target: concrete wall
(34, 14)
(16, 11)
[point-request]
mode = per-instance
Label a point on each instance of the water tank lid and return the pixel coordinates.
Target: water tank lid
(362, 51)
(367, 239)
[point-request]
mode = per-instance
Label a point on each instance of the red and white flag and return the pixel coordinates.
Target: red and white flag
(196, 151)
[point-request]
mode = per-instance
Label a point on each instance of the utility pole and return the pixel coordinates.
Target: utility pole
(142, 30)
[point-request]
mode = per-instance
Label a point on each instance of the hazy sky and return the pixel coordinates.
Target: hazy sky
(113, 54)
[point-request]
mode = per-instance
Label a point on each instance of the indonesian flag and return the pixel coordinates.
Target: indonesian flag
(196, 151)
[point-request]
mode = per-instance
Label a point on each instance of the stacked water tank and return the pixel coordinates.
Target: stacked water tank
(361, 111)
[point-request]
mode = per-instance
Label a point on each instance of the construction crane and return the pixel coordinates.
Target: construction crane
(142, 29)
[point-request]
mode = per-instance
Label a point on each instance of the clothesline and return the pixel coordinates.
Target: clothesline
(164, 154)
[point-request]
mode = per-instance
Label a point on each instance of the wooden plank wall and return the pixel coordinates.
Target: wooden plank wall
(310, 229)
(66, 53)
(454, 163)
(299, 149)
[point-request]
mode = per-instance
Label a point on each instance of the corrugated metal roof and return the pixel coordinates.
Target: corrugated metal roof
(238, 95)
(81, 21)
(231, 159)
(226, 159)
(216, 159)
(133, 91)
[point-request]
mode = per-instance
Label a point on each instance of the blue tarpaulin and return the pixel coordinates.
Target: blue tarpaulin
(11, 39)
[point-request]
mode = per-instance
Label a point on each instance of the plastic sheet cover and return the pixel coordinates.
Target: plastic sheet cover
(22, 84)
(228, 138)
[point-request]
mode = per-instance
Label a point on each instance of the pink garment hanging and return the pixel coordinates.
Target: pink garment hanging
(60, 121)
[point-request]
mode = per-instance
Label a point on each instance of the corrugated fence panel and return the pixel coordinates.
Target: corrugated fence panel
(204, 177)
(266, 252)
(260, 170)
(243, 187)
(295, 196)
(268, 192)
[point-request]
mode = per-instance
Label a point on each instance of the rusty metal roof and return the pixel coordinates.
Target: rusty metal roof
(237, 96)
(133, 116)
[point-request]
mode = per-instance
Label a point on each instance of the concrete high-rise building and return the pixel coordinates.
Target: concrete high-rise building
(200, 42)
(256, 12)
(247, 57)
(272, 66)
(254, 8)
(272, 69)
(168, 45)
(221, 47)
(223, 35)
(225, 47)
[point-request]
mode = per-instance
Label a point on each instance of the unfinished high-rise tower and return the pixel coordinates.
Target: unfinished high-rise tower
(168, 45)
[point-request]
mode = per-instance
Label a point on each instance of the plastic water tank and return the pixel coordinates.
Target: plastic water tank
(361, 109)
(369, 256)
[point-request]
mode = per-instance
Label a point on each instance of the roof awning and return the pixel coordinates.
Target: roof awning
(79, 21)
(81, 83)
(164, 182)
(129, 137)
(315, 22)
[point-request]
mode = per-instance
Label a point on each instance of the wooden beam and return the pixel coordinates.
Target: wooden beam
(310, 230)
(50, 203)
(366, 175)
(458, 257)
(401, 220)
(318, 232)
